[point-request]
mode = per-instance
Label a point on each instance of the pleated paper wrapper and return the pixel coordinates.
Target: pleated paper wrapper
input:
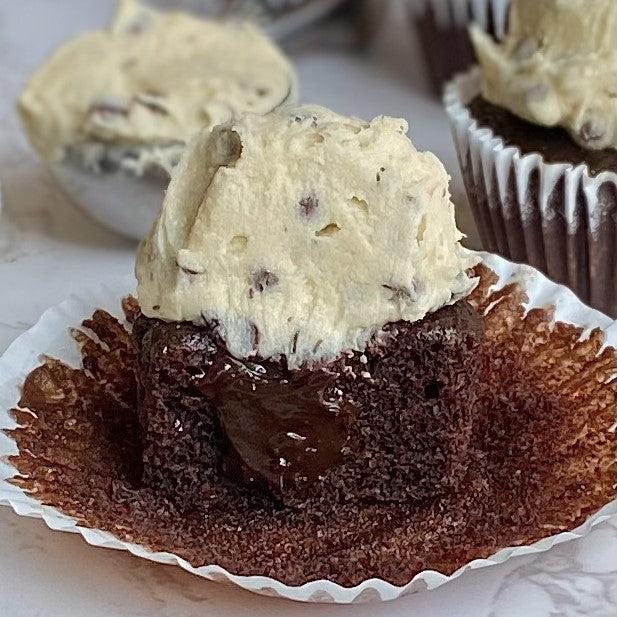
(50, 336)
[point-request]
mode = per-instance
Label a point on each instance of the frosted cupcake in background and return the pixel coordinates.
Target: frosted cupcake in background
(535, 133)
(442, 32)
(111, 111)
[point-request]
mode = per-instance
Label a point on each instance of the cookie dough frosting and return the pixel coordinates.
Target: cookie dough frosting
(556, 67)
(307, 244)
(152, 80)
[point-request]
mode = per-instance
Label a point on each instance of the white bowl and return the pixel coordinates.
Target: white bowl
(121, 201)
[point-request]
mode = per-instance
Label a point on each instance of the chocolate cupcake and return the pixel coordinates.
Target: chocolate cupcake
(535, 131)
(314, 396)
(441, 27)
(307, 380)
(111, 111)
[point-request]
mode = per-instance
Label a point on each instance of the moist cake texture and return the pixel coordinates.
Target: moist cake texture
(540, 461)
(391, 423)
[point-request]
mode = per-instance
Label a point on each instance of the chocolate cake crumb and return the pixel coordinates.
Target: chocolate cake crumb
(553, 143)
(541, 457)
(398, 443)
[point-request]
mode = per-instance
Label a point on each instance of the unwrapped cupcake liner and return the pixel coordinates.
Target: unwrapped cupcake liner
(51, 337)
(442, 25)
(555, 217)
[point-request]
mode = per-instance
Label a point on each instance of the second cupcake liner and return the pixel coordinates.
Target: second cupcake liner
(442, 32)
(556, 217)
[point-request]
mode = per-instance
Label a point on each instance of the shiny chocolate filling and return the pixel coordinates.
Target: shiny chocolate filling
(285, 428)
(390, 423)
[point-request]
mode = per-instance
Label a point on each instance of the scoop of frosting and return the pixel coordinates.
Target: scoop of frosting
(301, 233)
(151, 79)
(555, 67)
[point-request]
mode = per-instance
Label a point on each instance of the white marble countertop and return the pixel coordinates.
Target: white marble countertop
(48, 250)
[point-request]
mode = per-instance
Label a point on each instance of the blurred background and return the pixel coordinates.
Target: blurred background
(358, 57)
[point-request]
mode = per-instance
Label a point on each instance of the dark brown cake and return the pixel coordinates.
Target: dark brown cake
(390, 424)
(554, 144)
(540, 461)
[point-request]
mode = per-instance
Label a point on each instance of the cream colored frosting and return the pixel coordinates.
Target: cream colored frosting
(556, 67)
(152, 80)
(301, 233)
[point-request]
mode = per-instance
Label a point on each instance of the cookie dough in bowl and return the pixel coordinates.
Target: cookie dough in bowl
(111, 111)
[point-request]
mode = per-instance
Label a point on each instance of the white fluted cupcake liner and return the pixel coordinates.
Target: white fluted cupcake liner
(51, 337)
(555, 217)
(442, 25)
(488, 14)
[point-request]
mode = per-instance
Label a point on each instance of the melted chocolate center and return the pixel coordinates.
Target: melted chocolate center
(284, 428)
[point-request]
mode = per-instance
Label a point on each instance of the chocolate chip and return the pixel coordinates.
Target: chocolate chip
(592, 131)
(254, 337)
(294, 342)
(308, 205)
(153, 102)
(109, 108)
(108, 165)
(402, 293)
(261, 280)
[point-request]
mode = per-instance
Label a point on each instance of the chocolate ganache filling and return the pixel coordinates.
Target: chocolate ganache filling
(285, 428)
(389, 423)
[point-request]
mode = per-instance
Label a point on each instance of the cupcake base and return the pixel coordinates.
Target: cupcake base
(541, 459)
(390, 424)
(559, 217)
